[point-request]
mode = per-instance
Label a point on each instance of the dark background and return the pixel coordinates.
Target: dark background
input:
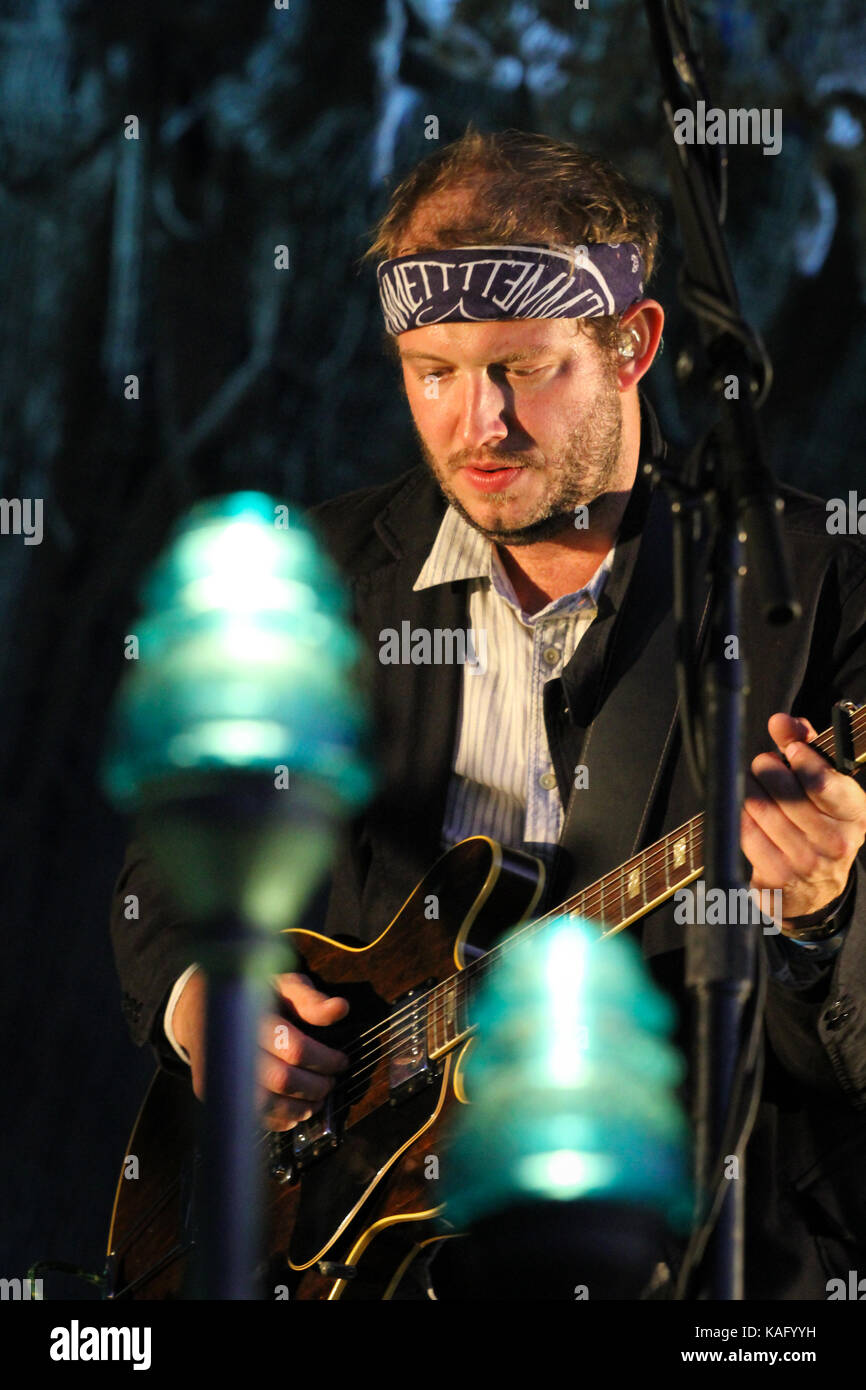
(155, 257)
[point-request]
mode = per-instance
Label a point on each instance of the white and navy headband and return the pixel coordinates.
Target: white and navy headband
(472, 284)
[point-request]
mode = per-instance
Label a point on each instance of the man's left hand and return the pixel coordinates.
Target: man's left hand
(801, 825)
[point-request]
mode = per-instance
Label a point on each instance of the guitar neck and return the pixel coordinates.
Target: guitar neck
(613, 902)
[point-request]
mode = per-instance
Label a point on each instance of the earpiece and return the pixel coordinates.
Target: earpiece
(628, 343)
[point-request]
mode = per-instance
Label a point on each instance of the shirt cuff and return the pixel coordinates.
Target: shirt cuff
(177, 991)
(800, 964)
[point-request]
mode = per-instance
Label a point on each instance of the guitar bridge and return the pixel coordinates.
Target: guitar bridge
(290, 1153)
(314, 1137)
(409, 1067)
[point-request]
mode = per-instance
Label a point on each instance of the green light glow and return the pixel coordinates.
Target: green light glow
(571, 1081)
(564, 1173)
(247, 661)
(237, 742)
(565, 970)
(247, 665)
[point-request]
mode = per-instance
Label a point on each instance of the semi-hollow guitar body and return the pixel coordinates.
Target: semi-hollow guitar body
(347, 1200)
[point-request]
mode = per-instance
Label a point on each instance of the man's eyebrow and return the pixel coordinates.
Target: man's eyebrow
(412, 355)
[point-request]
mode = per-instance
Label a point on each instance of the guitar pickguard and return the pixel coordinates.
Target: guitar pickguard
(334, 1189)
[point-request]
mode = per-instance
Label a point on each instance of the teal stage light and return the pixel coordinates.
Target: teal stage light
(239, 736)
(571, 1080)
(249, 677)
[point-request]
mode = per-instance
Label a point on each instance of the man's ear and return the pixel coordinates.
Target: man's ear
(641, 326)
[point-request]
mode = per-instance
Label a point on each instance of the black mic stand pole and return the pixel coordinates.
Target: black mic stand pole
(737, 496)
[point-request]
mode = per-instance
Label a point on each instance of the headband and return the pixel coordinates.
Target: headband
(471, 284)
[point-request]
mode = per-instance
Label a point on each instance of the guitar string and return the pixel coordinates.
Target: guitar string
(437, 1000)
(571, 906)
(397, 1029)
(459, 984)
(593, 898)
(654, 857)
(397, 1036)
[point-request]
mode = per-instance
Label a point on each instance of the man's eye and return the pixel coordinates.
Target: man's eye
(540, 369)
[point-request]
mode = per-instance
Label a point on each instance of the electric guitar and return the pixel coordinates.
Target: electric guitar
(351, 1194)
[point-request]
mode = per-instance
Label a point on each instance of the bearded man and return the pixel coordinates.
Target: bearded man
(513, 276)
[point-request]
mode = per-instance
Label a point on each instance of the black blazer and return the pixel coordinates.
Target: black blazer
(613, 710)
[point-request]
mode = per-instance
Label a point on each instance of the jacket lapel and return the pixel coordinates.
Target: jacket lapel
(633, 729)
(417, 703)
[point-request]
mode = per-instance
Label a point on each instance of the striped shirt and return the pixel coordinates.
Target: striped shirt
(502, 781)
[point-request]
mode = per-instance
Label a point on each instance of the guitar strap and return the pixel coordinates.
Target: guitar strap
(618, 694)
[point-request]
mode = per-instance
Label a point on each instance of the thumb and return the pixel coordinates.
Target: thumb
(309, 1003)
(786, 728)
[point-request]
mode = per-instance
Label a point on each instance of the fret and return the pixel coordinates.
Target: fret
(655, 872)
(462, 1007)
(665, 847)
(600, 914)
(438, 1004)
(449, 1012)
(433, 1023)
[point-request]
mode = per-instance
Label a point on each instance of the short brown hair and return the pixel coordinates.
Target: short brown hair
(521, 187)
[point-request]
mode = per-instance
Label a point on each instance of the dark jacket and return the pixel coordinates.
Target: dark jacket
(806, 1162)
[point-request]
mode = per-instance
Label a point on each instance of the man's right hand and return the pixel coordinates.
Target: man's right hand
(295, 1073)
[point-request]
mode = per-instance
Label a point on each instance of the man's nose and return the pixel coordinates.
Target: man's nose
(483, 410)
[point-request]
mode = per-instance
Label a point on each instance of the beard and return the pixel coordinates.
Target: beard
(579, 475)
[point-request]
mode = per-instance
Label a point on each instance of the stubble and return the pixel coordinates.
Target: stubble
(580, 475)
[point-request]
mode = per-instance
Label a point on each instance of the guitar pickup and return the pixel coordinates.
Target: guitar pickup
(409, 1065)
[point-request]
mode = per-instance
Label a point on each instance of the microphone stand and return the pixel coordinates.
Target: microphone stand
(728, 488)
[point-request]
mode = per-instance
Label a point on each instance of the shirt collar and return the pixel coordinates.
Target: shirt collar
(461, 552)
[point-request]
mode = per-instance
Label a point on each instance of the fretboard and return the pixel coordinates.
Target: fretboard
(612, 903)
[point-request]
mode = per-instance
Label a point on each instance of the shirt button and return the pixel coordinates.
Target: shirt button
(551, 655)
(547, 780)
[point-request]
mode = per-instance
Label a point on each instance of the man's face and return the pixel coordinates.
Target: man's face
(520, 421)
